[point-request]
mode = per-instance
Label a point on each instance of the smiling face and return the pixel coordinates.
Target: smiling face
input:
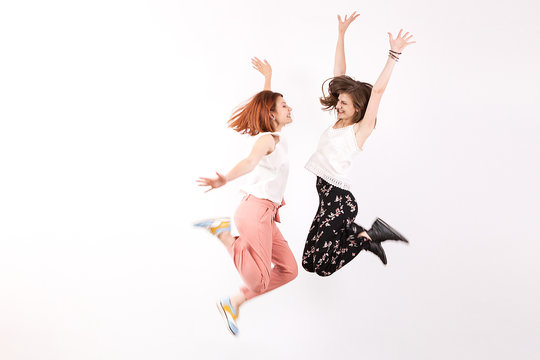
(345, 108)
(282, 113)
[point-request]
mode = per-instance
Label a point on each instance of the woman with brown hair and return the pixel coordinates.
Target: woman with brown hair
(334, 238)
(260, 243)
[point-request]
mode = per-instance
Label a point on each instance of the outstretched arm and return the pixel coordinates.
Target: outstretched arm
(264, 68)
(368, 122)
(339, 61)
(263, 146)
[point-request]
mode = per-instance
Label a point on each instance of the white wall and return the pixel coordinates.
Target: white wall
(110, 110)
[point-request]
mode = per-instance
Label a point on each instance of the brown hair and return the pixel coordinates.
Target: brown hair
(359, 92)
(255, 117)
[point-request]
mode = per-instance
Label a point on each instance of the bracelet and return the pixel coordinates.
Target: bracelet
(393, 56)
(395, 52)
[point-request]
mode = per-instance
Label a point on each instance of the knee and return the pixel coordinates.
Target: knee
(322, 272)
(322, 265)
(289, 272)
(308, 266)
(292, 272)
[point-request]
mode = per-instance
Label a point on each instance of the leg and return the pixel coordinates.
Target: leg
(285, 268)
(309, 247)
(336, 239)
(252, 250)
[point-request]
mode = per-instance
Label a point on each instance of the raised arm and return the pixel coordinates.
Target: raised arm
(339, 61)
(264, 68)
(263, 146)
(368, 122)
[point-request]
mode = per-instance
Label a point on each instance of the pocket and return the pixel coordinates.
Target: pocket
(263, 216)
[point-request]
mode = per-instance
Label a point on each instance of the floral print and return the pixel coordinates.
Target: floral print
(333, 238)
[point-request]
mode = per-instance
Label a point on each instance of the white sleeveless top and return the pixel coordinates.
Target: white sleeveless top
(269, 178)
(334, 155)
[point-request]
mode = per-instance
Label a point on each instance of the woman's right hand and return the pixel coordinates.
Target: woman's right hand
(343, 25)
(214, 183)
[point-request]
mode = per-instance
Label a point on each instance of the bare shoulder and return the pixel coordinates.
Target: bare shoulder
(267, 142)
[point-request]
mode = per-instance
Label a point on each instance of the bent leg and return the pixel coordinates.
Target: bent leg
(335, 239)
(285, 268)
(252, 250)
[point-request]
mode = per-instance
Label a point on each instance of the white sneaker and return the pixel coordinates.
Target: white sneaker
(215, 225)
(229, 314)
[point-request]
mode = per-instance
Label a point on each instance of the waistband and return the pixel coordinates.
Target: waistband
(268, 203)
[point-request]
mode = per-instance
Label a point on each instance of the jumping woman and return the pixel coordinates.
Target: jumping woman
(260, 243)
(334, 238)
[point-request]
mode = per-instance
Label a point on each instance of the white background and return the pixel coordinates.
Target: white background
(109, 111)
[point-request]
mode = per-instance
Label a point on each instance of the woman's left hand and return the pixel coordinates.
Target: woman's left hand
(262, 66)
(401, 41)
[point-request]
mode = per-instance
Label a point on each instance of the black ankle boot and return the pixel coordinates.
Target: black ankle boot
(377, 249)
(381, 231)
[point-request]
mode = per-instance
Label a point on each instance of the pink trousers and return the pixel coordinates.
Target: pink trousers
(259, 245)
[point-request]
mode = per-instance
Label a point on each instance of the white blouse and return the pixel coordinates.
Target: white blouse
(334, 155)
(269, 178)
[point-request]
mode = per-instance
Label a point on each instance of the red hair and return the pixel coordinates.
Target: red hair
(255, 116)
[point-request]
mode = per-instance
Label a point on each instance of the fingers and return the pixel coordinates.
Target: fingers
(260, 65)
(339, 18)
(257, 64)
(402, 38)
(205, 183)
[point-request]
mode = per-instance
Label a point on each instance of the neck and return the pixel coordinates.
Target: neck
(344, 122)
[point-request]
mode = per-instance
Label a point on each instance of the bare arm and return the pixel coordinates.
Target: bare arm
(339, 60)
(264, 68)
(365, 127)
(263, 146)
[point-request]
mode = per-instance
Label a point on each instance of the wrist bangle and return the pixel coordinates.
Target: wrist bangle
(395, 52)
(394, 57)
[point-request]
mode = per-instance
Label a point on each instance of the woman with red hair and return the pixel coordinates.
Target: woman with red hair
(260, 243)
